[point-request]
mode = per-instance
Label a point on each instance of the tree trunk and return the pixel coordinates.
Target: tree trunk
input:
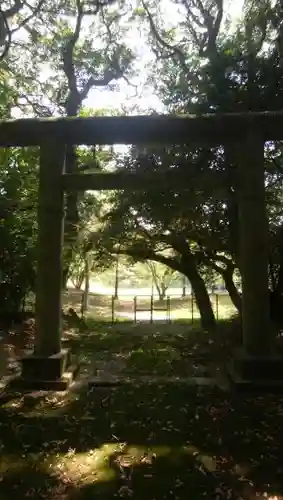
(207, 317)
(72, 216)
(79, 281)
(187, 266)
(162, 292)
(272, 275)
(235, 297)
(158, 290)
(184, 286)
(116, 287)
(84, 305)
(279, 285)
(163, 288)
(65, 276)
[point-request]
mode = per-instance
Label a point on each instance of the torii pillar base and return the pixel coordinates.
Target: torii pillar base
(256, 373)
(51, 373)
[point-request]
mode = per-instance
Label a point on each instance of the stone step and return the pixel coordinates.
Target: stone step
(116, 381)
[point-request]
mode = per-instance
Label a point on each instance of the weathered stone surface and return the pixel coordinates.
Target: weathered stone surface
(258, 367)
(45, 368)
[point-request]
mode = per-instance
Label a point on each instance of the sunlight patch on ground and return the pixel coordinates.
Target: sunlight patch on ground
(94, 465)
(113, 460)
(40, 403)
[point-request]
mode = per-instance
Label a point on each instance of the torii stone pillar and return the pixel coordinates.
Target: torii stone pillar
(253, 246)
(46, 367)
(50, 247)
(255, 362)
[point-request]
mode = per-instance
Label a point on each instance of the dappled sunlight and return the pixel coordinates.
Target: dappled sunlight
(145, 434)
(40, 403)
(125, 468)
(142, 350)
(118, 459)
(109, 460)
(150, 439)
(91, 466)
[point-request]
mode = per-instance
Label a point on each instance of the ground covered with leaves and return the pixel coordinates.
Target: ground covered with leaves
(142, 441)
(144, 350)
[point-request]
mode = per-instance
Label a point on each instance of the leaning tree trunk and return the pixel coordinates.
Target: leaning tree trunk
(235, 296)
(201, 295)
(187, 266)
(163, 290)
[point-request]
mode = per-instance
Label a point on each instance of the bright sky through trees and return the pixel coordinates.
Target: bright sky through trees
(136, 96)
(142, 97)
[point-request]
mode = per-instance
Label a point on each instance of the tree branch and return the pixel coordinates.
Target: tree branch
(76, 97)
(28, 18)
(5, 34)
(5, 31)
(92, 82)
(215, 28)
(207, 42)
(73, 100)
(173, 50)
(39, 109)
(211, 259)
(147, 254)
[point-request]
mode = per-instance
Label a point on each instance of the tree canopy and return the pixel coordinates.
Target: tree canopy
(58, 58)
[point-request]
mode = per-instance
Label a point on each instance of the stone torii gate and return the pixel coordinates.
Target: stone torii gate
(243, 135)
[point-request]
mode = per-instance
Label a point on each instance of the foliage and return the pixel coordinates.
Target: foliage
(18, 188)
(216, 69)
(162, 277)
(59, 54)
(13, 17)
(63, 52)
(67, 50)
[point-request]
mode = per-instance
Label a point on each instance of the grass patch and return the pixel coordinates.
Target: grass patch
(157, 350)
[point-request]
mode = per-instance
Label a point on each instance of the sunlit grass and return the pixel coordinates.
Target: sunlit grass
(181, 308)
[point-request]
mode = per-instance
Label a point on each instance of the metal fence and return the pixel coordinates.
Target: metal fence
(147, 308)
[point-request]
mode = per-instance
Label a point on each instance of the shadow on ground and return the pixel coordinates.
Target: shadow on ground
(142, 440)
(145, 441)
(176, 350)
